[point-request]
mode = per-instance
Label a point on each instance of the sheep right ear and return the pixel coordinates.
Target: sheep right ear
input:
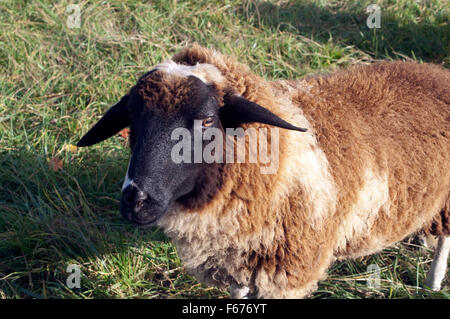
(237, 110)
(114, 120)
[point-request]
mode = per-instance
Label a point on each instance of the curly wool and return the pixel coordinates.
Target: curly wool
(373, 168)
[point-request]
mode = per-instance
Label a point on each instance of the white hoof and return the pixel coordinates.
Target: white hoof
(239, 292)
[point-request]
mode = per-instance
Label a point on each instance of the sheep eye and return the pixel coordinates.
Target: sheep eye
(207, 122)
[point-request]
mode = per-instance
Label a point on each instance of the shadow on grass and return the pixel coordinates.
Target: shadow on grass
(49, 219)
(397, 37)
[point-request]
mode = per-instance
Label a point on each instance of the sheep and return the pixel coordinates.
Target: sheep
(363, 163)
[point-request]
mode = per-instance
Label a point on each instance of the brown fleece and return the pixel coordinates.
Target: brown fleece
(440, 225)
(391, 119)
(397, 117)
(159, 90)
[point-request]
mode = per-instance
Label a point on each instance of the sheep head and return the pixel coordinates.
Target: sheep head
(168, 102)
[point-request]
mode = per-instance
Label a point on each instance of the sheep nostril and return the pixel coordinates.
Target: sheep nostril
(139, 204)
(132, 197)
(141, 196)
(140, 199)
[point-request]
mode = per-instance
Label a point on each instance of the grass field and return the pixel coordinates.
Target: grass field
(59, 205)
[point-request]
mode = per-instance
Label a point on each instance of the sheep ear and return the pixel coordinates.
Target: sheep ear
(237, 110)
(115, 119)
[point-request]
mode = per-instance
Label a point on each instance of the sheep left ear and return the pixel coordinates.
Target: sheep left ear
(114, 120)
(237, 110)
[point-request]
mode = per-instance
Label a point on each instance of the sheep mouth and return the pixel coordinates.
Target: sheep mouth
(142, 220)
(141, 214)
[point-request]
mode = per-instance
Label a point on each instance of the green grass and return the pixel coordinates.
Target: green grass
(56, 82)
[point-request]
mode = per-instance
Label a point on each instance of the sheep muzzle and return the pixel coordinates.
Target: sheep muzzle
(139, 207)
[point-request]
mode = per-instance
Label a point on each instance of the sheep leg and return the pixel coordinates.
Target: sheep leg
(239, 292)
(439, 264)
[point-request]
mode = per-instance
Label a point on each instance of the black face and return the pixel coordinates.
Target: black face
(154, 181)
